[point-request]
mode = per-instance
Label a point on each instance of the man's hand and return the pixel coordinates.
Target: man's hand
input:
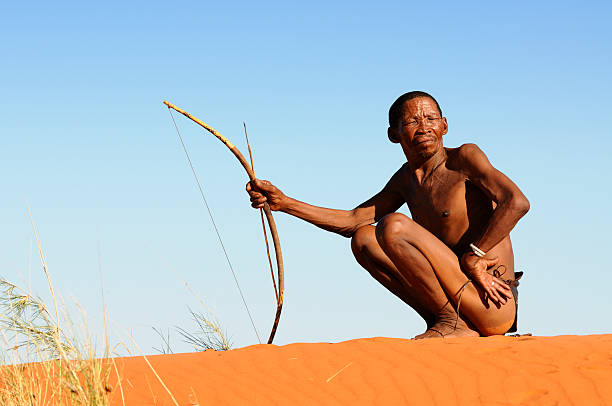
(262, 191)
(476, 268)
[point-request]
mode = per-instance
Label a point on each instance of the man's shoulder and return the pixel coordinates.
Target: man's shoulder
(468, 159)
(400, 175)
(399, 180)
(465, 153)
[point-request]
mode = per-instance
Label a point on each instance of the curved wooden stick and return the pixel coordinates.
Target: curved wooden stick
(267, 212)
(263, 223)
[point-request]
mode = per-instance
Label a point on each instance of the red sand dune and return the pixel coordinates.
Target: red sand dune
(564, 370)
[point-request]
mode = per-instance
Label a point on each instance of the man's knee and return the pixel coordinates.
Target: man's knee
(362, 239)
(392, 228)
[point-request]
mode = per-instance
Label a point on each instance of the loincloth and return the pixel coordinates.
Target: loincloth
(513, 284)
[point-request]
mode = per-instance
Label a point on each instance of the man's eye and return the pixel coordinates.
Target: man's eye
(411, 122)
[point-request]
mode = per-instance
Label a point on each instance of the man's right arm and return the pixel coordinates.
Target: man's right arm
(343, 222)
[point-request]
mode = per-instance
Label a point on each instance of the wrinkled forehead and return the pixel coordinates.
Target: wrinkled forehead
(420, 106)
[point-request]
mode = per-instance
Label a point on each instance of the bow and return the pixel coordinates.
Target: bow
(266, 209)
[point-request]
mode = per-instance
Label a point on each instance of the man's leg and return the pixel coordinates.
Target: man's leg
(417, 286)
(419, 256)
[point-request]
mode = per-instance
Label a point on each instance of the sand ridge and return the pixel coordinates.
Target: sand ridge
(563, 370)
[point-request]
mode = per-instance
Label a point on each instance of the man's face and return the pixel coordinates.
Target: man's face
(420, 128)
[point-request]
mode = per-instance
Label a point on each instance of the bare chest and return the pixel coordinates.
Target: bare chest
(441, 204)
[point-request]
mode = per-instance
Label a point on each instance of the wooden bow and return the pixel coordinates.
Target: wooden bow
(267, 212)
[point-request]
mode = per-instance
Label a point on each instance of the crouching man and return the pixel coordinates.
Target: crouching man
(452, 262)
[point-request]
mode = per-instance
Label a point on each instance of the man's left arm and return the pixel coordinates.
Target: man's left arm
(511, 203)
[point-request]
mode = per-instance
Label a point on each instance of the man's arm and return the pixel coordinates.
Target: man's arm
(343, 222)
(511, 205)
(511, 202)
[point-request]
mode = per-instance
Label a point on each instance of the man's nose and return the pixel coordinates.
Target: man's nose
(422, 128)
(423, 125)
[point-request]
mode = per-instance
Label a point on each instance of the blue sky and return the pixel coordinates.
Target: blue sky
(89, 146)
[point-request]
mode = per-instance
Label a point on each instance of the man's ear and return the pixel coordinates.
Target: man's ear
(445, 126)
(393, 136)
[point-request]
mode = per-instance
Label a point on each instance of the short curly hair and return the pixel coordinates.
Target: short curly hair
(395, 111)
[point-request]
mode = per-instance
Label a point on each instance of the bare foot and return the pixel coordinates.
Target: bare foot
(429, 333)
(447, 329)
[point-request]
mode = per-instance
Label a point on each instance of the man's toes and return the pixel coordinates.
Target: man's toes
(429, 333)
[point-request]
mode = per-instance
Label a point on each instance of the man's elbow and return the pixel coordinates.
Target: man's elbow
(351, 225)
(520, 204)
(347, 233)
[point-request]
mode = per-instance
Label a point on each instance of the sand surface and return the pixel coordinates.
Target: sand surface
(564, 370)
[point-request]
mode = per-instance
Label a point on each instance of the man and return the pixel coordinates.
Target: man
(453, 261)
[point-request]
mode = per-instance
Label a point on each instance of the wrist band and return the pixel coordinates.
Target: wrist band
(477, 251)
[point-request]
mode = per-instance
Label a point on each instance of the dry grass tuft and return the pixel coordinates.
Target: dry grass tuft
(47, 359)
(208, 336)
(43, 363)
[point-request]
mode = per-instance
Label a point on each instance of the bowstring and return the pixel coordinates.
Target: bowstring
(212, 220)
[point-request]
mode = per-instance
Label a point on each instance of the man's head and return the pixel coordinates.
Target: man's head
(396, 109)
(416, 122)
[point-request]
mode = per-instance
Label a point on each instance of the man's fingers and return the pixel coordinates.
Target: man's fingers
(497, 290)
(256, 195)
(258, 199)
(263, 185)
(506, 293)
(498, 298)
(502, 285)
(492, 293)
(502, 298)
(502, 291)
(255, 184)
(257, 187)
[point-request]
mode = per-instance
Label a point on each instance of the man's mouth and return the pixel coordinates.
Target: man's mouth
(423, 140)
